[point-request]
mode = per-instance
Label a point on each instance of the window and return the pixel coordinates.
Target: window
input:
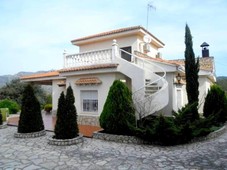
(126, 56)
(89, 100)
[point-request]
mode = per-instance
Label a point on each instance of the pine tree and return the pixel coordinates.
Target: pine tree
(191, 72)
(30, 117)
(66, 126)
(118, 114)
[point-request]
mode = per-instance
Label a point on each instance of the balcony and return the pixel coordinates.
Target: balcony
(88, 58)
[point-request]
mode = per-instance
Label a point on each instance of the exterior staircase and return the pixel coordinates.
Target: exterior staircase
(150, 88)
(152, 96)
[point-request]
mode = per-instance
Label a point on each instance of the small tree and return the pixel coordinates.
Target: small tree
(30, 117)
(216, 104)
(60, 126)
(11, 105)
(191, 73)
(66, 126)
(118, 114)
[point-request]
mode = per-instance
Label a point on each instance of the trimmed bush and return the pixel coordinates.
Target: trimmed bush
(216, 104)
(1, 121)
(11, 105)
(48, 107)
(66, 126)
(185, 114)
(30, 117)
(118, 114)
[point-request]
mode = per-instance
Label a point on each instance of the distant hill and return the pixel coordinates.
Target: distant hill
(222, 81)
(7, 78)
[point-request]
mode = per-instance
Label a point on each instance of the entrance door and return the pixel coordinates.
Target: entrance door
(125, 55)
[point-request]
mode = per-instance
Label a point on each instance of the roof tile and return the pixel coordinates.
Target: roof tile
(41, 75)
(90, 67)
(89, 80)
(115, 32)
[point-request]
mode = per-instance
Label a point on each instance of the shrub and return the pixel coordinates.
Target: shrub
(11, 105)
(163, 131)
(1, 121)
(48, 107)
(185, 114)
(66, 126)
(216, 104)
(30, 117)
(118, 114)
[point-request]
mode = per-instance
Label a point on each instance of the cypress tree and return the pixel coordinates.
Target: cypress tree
(118, 114)
(71, 115)
(30, 117)
(66, 126)
(191, 72)
(59, 129)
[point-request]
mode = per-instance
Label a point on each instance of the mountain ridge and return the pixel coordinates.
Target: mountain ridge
(4, 79)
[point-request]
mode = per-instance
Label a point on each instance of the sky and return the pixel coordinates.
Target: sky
(34, 33)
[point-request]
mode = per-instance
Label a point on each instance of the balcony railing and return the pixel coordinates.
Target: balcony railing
(88, 58)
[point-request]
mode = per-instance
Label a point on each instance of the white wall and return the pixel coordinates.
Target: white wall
(56, 91)
(169, 108)
(107, 44)
(103, 89)
(204, 86)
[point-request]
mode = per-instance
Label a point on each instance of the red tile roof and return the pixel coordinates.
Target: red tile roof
(90, 67)
(115, 32)
(142, 55)
(205, 63)
(89, 80)
(41, 75)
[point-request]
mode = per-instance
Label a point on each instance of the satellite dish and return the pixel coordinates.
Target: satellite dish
(147, 39)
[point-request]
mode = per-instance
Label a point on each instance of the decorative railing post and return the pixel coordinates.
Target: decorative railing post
(64, 59)
(115, 50)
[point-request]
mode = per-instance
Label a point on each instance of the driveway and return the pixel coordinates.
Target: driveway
(93, 154)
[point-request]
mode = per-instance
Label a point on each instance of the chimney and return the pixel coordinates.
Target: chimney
(205, 49)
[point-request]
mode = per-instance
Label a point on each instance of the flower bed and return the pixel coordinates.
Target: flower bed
(65, 142)
(30, 135)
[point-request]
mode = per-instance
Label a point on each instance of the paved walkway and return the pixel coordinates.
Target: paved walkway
(29, 154)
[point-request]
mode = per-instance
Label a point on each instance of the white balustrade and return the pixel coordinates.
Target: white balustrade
(88, 58)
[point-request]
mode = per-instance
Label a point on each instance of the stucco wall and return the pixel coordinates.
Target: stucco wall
(169, 108)
(204, 86)
(56, 91)
(107, 44)
(103, 89)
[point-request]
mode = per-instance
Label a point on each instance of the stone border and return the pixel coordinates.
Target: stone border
(3, 126)
(30, 135)
(118, 138)
(211, 135)
(66, 142)
(136, 140)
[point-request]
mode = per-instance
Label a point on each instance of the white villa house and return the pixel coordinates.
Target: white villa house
(131, 55)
